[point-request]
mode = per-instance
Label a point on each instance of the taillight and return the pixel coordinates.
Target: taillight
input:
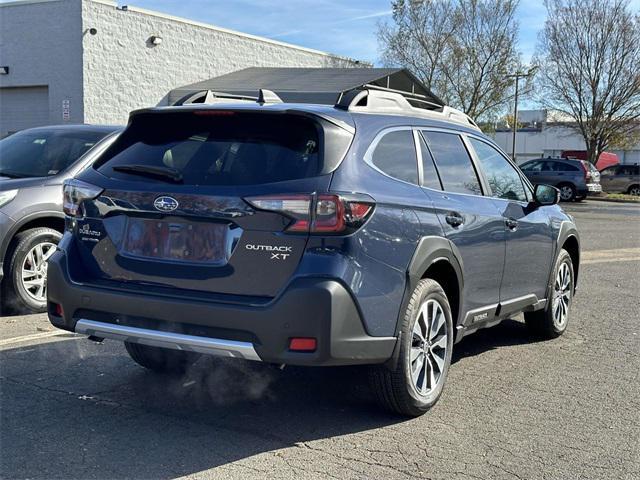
(587, 170)
(297, 207)
(74, 193)
(318, 213)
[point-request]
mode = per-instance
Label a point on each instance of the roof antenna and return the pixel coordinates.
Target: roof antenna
(267, 96)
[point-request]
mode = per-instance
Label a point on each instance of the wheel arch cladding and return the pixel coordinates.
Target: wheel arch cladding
(53, 220)
(572, 246)
(436, 258)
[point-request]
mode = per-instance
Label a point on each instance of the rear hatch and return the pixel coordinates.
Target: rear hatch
(208, 201)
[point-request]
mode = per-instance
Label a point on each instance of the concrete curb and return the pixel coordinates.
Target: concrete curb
(615, 200)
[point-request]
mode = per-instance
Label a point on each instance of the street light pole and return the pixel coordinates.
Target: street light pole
(514, 128)
(517, 76)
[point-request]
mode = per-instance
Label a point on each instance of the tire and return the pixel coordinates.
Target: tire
(551, 322)
(567, 192)
(29, 251)
(400, 390)
(161, 360)
(634, 190)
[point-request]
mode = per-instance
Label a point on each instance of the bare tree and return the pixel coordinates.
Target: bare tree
(460, 49)
(589, 58)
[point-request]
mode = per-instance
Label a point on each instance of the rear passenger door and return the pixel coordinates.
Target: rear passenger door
(470, 220)
(529, 246)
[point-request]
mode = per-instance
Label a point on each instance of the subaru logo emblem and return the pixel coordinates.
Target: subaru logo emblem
(165, 204)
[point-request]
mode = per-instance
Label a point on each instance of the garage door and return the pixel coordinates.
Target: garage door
(23, 107)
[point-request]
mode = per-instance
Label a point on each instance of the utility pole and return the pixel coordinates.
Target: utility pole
(514, 128)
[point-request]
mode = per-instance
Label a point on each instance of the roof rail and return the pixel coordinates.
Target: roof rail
(209, 97)
(374, 99)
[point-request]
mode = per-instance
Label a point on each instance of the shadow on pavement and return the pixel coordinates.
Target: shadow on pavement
(74, 409)
(507, 333)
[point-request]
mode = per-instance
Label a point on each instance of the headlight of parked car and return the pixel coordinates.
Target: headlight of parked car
(7, 196)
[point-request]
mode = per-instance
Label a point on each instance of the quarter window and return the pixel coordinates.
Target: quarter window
(503, 179)
(395, 155)
(454, 164)
(562, 167)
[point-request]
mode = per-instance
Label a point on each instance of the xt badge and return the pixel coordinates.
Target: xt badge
(281, 252)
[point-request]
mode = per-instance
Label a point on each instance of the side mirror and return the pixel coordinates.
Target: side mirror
(546, 194)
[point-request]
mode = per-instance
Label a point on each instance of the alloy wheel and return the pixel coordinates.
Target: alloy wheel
(428, 347)
(562, 296)
(566, 192)
(34, 270)
(634, 191)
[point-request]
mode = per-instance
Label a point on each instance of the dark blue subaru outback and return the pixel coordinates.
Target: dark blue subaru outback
(372, 232)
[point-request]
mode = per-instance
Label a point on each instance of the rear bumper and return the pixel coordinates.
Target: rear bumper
(310, 307)
(594, 187)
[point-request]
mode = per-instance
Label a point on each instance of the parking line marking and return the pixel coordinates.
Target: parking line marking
(34, 336)
(613, 255)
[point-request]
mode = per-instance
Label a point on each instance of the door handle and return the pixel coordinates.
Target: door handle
(454, 219)
(511, 223)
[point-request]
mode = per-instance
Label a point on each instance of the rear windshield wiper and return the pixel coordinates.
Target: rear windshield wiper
(164, 173)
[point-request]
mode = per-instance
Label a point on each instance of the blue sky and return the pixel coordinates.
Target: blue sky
(343, 27)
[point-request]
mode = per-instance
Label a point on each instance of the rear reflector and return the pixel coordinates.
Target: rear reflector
(318, 213)
(302, 344)
(56, 309)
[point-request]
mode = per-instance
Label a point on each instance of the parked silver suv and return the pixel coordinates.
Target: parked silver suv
(621, 179)
(33, 165)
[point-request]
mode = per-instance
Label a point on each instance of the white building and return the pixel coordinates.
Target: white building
(545, 133)
(88, 61)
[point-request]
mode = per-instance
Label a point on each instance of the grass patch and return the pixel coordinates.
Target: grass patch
(617, 197)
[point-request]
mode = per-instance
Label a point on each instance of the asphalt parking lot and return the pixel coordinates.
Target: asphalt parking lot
(512, 407)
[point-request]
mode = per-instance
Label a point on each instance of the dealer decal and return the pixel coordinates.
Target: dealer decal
(89, 235)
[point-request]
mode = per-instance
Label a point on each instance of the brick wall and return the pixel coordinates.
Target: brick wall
(123, 71)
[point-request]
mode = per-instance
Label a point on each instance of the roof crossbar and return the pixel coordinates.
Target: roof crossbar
(375, 99)
(409, 95)
(209, 96)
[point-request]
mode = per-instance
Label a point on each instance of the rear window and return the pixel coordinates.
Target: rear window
(217, 147)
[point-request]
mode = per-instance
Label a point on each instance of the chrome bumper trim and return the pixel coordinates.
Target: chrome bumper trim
(175, 341)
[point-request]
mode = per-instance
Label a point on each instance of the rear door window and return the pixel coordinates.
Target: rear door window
(562, 167)
(629, 170)
(44, 153)
(532, 166)
(219, 148)
(430, 176)
(504, 181)
(395, 155)
(454, 164)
